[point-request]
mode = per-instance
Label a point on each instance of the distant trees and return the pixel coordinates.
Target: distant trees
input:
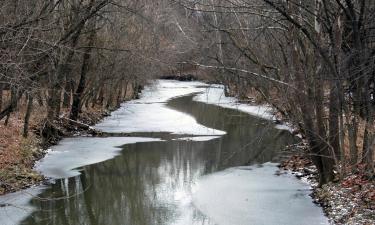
(313, 60)
(69, 55)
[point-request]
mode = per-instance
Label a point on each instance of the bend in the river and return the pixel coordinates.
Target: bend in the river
(172, 176)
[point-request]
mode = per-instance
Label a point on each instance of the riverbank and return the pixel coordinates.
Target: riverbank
(19, 154)
(17, 158)
(301, 166)
(349, 200)
(175, 171)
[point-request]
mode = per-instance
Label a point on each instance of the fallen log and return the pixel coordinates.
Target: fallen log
(78, 124)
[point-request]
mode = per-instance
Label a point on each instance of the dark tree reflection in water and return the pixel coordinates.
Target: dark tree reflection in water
(152, 182)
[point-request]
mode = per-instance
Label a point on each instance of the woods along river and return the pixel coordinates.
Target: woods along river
(192, 156)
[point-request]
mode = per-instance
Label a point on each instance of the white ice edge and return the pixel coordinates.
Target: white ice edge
(62, 161)
(150, 113)
(72, 153)
(198, 138)
(278, 199)
(215, 95)
(16, 205)
(138, 118)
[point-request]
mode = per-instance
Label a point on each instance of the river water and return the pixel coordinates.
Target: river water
(193, 157)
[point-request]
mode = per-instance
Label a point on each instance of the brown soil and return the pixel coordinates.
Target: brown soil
(18, 155)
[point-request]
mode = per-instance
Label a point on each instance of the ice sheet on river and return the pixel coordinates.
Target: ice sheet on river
(255, 195)
(199, 138)
(14, 207)
(72, 153)
(214, 94)
(150, 113)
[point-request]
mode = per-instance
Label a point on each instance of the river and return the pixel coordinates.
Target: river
(192, 156)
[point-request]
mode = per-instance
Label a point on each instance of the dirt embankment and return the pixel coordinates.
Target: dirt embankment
(17, 157)
(18, 154)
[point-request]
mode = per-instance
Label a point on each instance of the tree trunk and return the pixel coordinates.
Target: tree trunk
(62, 70)
(126, 90)
(1, 96)
(352, 136)
(368, 149)
(12, 105)
(110, 96)
(69, 87)
(6, 123)
(77, 97)
(119, 94)
(27, 116)
(334, 111)
(101, 96)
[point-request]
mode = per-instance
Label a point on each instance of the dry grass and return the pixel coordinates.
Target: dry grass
(18, 154)
(10, 139)
(17, 157)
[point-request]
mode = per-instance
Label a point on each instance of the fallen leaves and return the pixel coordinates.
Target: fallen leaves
(350, 200)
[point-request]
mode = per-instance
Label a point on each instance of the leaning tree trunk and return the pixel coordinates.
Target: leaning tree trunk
(14, 97)
(64, 68)
(77, 97)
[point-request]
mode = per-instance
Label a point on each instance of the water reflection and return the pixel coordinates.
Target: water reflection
(152, 182)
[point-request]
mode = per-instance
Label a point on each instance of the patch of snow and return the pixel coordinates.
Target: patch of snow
(160, 91)
(72, 153)
(255, 195)
(284, 127)
(215, 95)
(150, 113)
(154, 117)
(199, 138)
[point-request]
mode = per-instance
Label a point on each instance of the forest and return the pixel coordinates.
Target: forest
(64, 62)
